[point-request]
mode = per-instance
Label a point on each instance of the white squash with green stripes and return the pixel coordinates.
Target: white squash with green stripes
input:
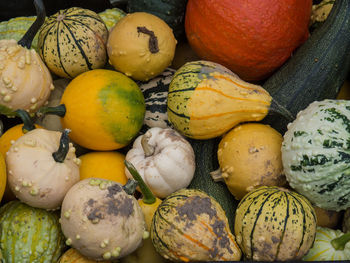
(316, 154)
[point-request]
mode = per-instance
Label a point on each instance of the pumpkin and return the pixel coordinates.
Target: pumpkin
(141, 45)
(106, 165)
(273, 223)
(107, 116)
(101, 220)
(25, 83)
(73, 256)
(172, 12)
(189, 225)
(253, 38)
(29, 234)
(41, 168)
(111, 16)
(250, 156)
(205, 100)
(155, 92)
(73, 41)
(315, 154)
(164, 159)
(329, 245)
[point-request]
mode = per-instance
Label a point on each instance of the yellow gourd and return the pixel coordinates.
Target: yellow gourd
(3, 177)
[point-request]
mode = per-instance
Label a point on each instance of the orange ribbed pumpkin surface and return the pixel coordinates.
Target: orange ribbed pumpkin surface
(251, 37)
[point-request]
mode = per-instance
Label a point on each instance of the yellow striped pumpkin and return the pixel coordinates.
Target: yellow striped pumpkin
(273, 223)
(205, 100)
(73, 41)
(189, 225)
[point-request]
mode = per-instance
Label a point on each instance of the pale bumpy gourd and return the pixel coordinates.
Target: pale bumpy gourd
(101, 220)
(164, 159)
(36, 175)
(315, 154)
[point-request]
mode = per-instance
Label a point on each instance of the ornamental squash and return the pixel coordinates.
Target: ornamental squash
(274, 224)
(73, 256)
(3, 177)
(29, 234)
(73, 41)
(205, 100)
(315, 154)
(141, 45)
(252, 38)
(189, 225)
(111, 16)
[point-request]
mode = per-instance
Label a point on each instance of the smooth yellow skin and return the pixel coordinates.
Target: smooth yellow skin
(148, 210)
(249, 157)
(3, 176)
(105, 165)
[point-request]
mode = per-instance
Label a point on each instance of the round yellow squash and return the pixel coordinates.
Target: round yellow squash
(250, 157)
(106, 165)
(141, 45)
(104, 109)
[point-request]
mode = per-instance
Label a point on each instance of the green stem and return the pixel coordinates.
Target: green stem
(28, 124)
(59, 110)
(61, 153)
(27, 39)
(340, 242)
(147, 195)
(130, 187)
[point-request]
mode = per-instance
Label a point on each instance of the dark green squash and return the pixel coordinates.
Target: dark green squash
(171, 11)
(317, 70)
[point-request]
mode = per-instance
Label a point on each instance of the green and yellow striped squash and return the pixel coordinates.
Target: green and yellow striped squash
(273, 223)
(189, 225)
(73, 41)
(29, 234)
(205, 100)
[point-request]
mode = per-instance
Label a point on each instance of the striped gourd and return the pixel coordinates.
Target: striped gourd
(155, 92)
(273, 223)
(315, 154)
(73, 41)
(189, 225)
(205, 100)
(29, 234)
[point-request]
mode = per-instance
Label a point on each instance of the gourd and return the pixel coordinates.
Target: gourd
(73, 256)
(73, 41)
(25, 83)
(172, 12)
(164, 159)
(3, 177)
(274, 224)
(315, 154)
(141, 45)
(314, 71)
(29, 234)
(249, 157)
(327, 218)
(346, 221)
(155, 92)
(101, 220)
(189, 225)
(111, 16)
(320, 12)
(329, 245)
(41, 168)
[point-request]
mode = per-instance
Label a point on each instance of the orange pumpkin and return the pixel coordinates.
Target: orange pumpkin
(250, 37)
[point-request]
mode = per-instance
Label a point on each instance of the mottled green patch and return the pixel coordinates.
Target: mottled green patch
(6, 111)
(299, 133)
(331, 144)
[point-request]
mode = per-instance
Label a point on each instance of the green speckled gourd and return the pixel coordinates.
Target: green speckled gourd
(316, 154)
(73, 41)
(29, 234)
(274, 224)
(111, 16)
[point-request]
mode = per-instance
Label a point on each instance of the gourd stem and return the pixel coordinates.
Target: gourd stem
(130, 187)
(59, 110)
(61, 153)
(153, 40)
(340, 242)
(217, 175)
(147, 195)
(277, 108)
(27, 39)
(148, 149)
(28, 124)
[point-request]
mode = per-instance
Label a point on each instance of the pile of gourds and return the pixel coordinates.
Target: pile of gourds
(125, 149)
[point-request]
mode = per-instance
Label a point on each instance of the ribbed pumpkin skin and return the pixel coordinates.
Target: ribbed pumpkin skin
(273, 223)
(190, 226)
(250, 37)
(29, 234)
(206, 100)
(73, 41)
